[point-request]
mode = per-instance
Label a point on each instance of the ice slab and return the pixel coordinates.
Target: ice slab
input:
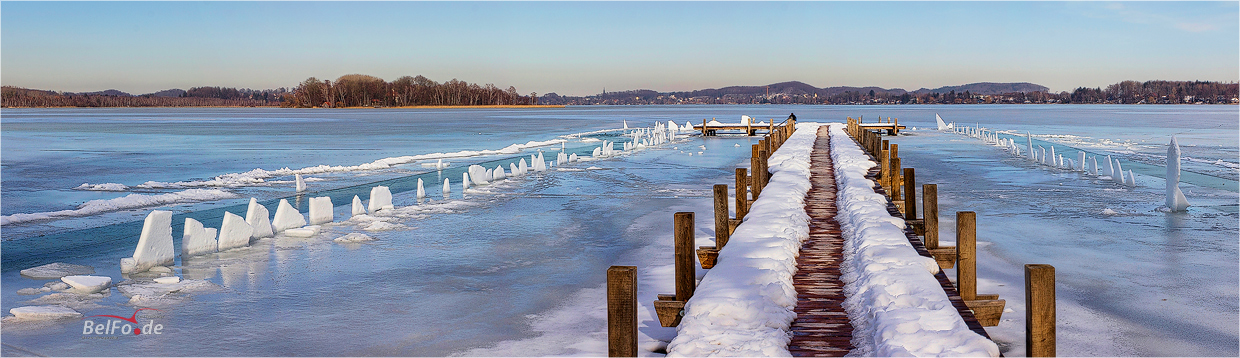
(421, 189)
(56, 270)
(196, 239)
(321, 210)
(259, 219)
(234, 232)
(88, 284)
(301, 184)
(354, 237)
(308, 231)
(155, 243)
(358, 208)
(446, 189)
(464, 182)
(380, 199)
(167, 280)
(287, 217)
(44, 312)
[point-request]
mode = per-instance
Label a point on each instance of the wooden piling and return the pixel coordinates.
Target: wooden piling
(930, 211)
(884, 170)
(754, 179)
(910, 194)
(763, 176)
(742, 191)
(966, 251)
(1039, 310)
(685, 270)
(897, 181)
(622, 311)
(721, 216)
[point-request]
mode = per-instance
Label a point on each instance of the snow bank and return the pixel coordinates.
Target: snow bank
(896, 306)
(743, 306)
(131, 201)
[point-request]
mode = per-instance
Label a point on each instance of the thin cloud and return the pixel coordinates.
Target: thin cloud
(1144, 15)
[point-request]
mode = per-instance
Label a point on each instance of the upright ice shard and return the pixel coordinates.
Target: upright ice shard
(287, 217)
(513, 170)
(358, 208)
(1095, 159)
(301, 184)
(1029, 142)
(421, 190)
(498, 173)
(380, 199)
(259, 219)
(1131, 180)
(524, 168)
(1175, 198)
(1110, 166)
(321, 210)
(154, 245)
(1119, 173)
(1080, 157)
(464, 182)
(939, 120)
(1055, 159)
(234, 232)
(197, 240)
(572, 157)
(446, 189)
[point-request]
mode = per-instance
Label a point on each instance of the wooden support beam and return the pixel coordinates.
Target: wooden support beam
(1039, 310)
(622, 311)
(742, 192)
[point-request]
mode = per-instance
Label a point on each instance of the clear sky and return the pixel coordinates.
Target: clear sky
(578, 48)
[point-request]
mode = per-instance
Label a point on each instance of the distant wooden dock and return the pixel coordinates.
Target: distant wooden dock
(891, 125)
(750, 129)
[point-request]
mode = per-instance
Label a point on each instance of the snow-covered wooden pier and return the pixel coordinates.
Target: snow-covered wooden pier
(747, 125)
(891, 125)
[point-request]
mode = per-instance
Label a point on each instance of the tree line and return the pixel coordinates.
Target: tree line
(194, 97)
(358, 90)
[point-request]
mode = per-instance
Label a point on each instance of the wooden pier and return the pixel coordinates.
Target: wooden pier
(750, 129)
(891, 126)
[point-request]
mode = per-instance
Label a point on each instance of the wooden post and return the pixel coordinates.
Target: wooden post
(884, 165)
(686, 275)
(966, 254)
(1039, 310)
(930, 208)
(622, 311)
(763, 177)
(721, 216)
(742, 191)
(703, 127)
(910, 195)
(895, 126)
(754, 181)
(897, 182)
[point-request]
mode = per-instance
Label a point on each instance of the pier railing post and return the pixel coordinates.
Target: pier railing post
(1039, 310)
(622, 311)
(884, 173)
(966, 249)
(722, 232)
(742, 192)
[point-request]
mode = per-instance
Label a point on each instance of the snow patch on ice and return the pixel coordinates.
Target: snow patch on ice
(56, 270)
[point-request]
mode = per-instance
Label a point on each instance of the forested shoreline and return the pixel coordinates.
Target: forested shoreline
(356, 90)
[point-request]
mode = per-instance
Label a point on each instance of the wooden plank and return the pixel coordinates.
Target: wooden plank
(622, 311)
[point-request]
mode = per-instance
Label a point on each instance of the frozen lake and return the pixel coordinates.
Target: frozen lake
(516, 268)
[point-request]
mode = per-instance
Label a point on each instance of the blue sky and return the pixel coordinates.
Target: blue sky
(578, 48)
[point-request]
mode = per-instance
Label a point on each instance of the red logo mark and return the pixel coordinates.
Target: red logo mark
(132, 319)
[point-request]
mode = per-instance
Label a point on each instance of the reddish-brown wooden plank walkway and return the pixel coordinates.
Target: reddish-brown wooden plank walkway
(822, 327)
